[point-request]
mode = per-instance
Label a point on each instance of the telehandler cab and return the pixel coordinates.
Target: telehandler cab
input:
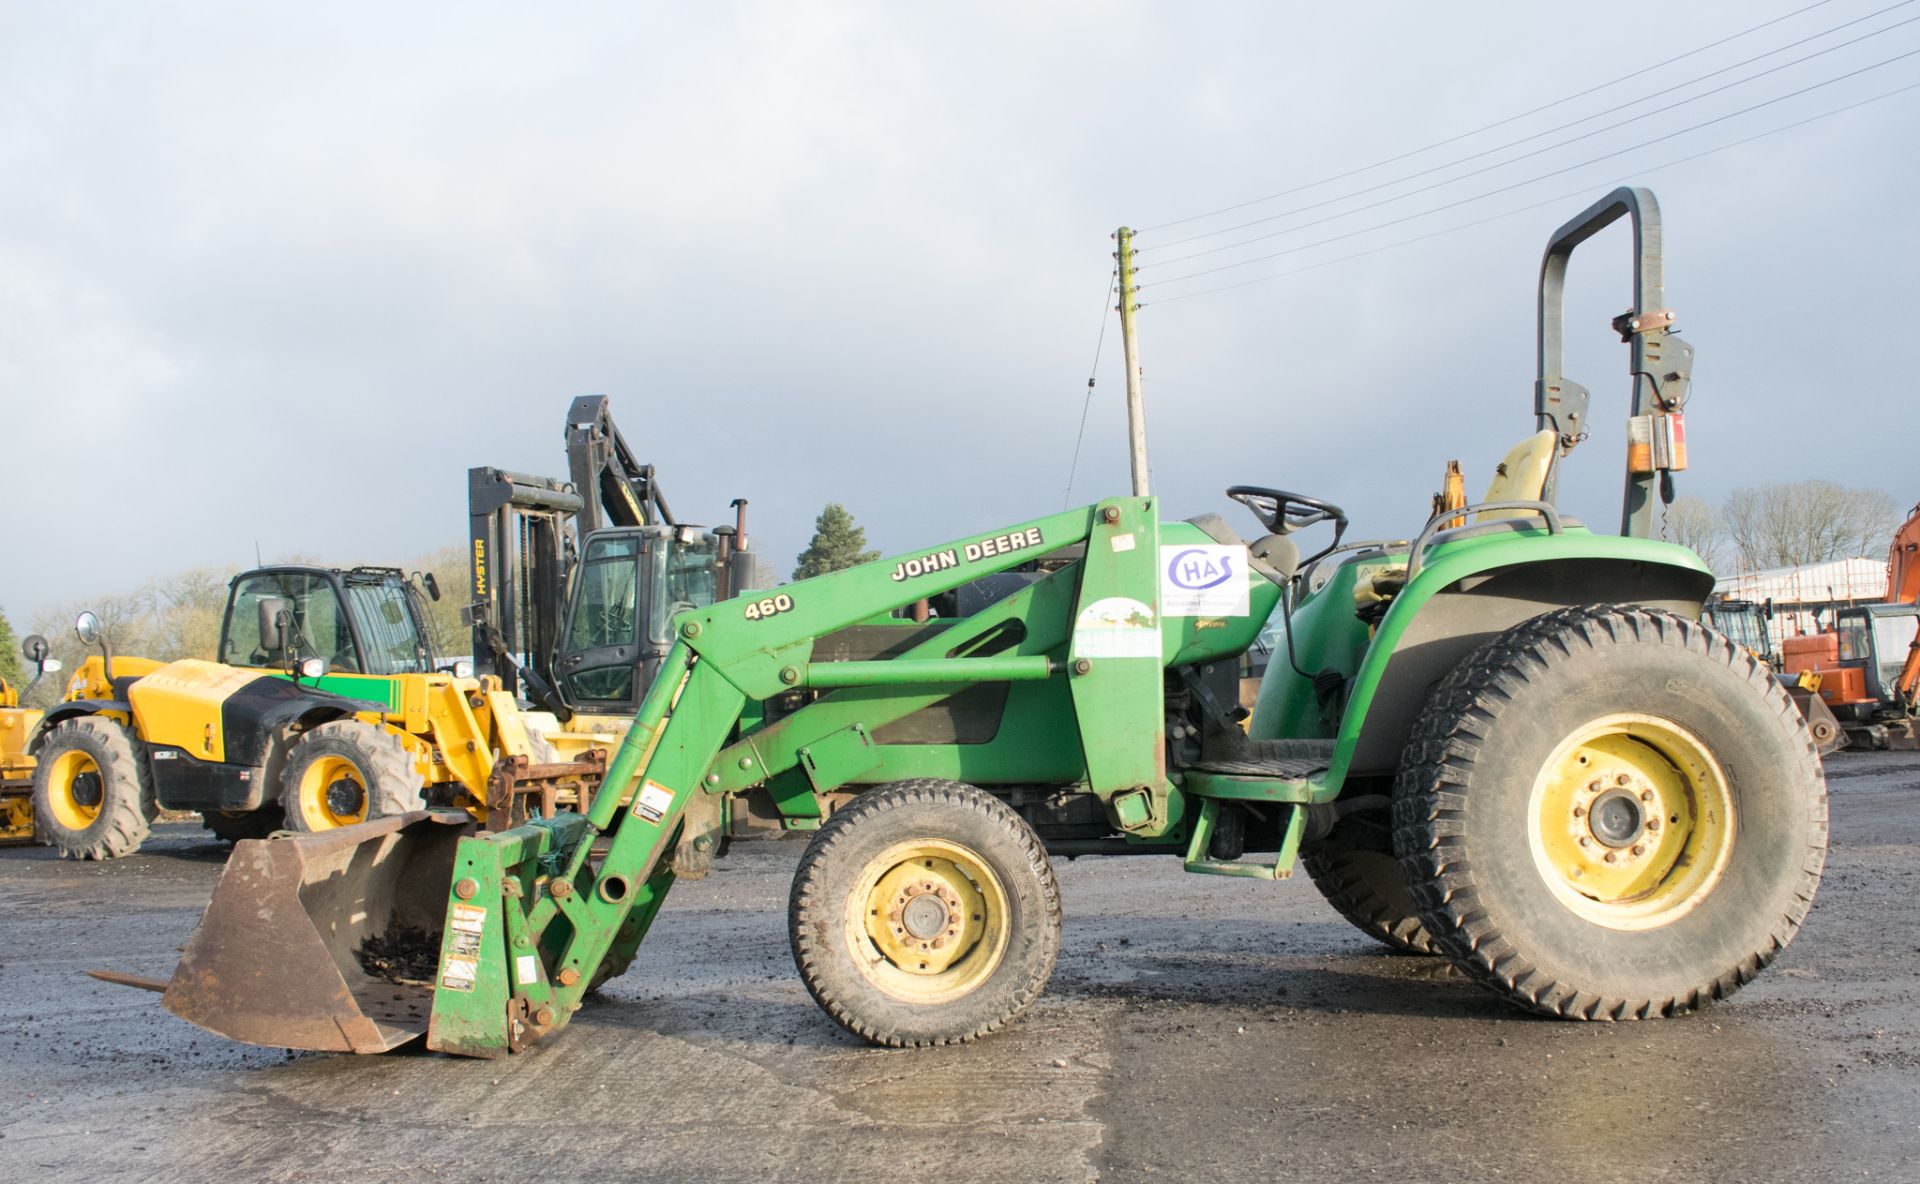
(1510, 741)
(327, 705)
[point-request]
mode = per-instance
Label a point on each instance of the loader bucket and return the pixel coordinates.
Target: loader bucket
(323, 941)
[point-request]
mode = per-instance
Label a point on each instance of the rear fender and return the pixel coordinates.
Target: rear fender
(1472, 591)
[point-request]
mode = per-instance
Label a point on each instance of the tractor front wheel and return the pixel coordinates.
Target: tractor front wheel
(925, 913)
(1611, 813)
(346, 771)
(92, 794)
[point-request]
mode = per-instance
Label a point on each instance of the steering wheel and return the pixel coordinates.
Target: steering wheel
(1283, 513)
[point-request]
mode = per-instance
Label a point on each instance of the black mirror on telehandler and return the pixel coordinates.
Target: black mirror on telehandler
(275, 619)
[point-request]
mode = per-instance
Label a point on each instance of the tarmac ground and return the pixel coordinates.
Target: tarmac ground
(1197, 1027)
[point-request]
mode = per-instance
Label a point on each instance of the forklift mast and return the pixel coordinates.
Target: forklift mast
(528, 535)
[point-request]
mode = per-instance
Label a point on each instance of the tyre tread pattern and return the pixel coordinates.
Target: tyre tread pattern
(128, 817)
(810, 900)
(1441, 751)
(394, 784)
(1352, 889)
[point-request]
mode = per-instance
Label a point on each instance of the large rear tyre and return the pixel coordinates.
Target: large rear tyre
(344, 772)
(1611, 813)
(1366, 888)
(925, 913)
(92, 792)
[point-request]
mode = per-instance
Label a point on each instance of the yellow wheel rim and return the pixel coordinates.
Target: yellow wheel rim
(333, 792)
(1631, 821)
(76, 789)
(927, 920)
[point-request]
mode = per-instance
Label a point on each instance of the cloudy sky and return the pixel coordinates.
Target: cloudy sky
(279, 275)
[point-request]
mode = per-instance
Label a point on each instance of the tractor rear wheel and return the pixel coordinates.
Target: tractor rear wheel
(1611, 813)
(925, 913)
(1366, 888)
(346, 771)
(92, 792)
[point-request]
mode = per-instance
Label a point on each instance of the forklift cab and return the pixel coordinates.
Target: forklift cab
(630, 584)
(367, 620)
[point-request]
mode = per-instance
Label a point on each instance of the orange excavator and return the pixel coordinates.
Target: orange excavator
(1866, 665)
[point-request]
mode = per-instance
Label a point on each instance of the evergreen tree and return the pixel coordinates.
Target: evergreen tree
(837, 544)
(11, 668)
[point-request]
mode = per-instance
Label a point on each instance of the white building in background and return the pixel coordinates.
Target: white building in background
(1797, 591)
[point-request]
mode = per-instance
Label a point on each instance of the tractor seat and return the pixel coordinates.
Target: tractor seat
(1273, 556)
(1521, 476)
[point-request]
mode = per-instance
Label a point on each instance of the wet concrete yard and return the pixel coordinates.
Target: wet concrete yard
(1197, 1028)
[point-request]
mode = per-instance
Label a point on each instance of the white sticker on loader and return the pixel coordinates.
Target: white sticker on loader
(526, 968)
(1116, 627)
(1209, 581)
(653, 801)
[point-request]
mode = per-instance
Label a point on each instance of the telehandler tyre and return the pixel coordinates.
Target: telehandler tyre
(925, 913)
(1366, 888)
(92, 792)
(346, 771)
(245, 824)
(1611, 813)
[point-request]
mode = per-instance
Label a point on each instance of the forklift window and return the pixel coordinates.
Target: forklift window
(686, 581)
(604, 612)
(319, 631)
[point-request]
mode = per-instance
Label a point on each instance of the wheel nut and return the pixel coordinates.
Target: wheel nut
(1585, 841)
(1608, 857)
(1646, 795)
(1579, 811)
(1653, 824)
(1622, 779)
(1639, 849)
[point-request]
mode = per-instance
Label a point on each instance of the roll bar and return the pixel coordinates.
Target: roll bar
(1661, 365)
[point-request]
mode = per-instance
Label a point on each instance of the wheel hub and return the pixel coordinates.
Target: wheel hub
(88, 791)
(928, 911)
(1631, 821)
(1615, 818)
(344, 796)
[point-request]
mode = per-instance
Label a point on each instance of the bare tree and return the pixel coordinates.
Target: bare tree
(1691, 523)
(1787, 523)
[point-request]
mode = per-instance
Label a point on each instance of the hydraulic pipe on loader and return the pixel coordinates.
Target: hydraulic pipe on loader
(528, 920)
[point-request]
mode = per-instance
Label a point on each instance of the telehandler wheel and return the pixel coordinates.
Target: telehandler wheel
(1366, 888)
(244, 824)
(925, 913)
(346, 771)
(1611, 813)
(92, 792)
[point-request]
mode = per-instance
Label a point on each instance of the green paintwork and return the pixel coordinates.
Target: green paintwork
(1095, 728)
(1329, 632)
(1117, 654)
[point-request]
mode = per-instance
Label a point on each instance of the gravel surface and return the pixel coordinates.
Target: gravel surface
(1197, 1027)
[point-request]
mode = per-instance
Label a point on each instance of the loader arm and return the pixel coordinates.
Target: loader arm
(534, 917)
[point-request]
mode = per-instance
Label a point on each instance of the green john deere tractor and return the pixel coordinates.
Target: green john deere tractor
(1509, 741)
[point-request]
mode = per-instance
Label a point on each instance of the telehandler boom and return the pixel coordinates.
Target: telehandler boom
(1510, 741)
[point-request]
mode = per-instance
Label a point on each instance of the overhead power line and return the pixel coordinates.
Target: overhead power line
(1587, 135)
(1555, 200)
(1516, 184)
(1093, 372)
(1490, 126)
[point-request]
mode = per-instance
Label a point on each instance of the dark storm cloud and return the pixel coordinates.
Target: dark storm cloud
(283, 276)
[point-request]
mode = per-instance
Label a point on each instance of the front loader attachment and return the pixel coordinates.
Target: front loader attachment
(324, 941)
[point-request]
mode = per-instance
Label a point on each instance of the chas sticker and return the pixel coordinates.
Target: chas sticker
(1209, 581)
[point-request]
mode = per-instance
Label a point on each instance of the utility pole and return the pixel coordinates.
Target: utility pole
(1130, 344)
